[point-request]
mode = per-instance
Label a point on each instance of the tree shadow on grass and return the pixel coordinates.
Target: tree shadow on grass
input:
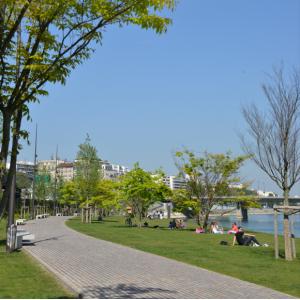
(126, 291)
(2, 246)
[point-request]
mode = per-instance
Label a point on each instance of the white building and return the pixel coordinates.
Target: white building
(26, 167)
(65, 171)
(266, 194)
(111, 171)
(174, 182)
(49, 165)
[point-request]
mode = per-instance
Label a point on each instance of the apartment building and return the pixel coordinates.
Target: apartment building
(49, 165)
(112, 171)
(65, 171)
(174, 182)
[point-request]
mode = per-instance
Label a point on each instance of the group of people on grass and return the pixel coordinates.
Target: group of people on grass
(177, 224)
(240, 237)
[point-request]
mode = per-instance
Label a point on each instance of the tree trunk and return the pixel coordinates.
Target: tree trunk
(286, 227)
(244, 212)
(13, 162)
(203, 219)
(3, 156)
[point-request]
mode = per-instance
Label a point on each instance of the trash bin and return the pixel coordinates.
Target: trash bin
(18, 243)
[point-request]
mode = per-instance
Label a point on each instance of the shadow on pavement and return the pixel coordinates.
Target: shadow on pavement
(54, 238)
(125, 291)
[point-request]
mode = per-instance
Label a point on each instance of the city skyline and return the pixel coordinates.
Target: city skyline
(142, 97)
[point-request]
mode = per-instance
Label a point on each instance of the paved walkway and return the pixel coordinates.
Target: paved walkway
(99, 269)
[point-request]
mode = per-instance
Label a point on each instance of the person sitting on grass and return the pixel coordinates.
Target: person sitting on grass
(181, 224)
(172, 224)
(215, 228)
(199, 230)
(245, 239)
(234, 229)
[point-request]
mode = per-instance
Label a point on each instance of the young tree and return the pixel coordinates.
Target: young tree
(106, 197)
(87, 173)
(42, 41)
(208, 177)
(185, 203)
(139, 189)
(43, 188)
(69, 195)
(273, 137)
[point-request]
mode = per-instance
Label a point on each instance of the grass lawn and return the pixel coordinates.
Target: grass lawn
(22, 277)
(254, 264)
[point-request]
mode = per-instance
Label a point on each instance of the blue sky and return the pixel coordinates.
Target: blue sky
(142, 96)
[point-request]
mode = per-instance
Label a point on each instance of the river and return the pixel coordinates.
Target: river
(259, 223)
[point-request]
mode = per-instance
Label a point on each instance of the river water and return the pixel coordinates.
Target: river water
(259, 223)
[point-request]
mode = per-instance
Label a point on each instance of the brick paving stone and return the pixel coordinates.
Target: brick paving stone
(99, 269)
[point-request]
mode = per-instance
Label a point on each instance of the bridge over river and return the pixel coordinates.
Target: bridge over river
(267, 204)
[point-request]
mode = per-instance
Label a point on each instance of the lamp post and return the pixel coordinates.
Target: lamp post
(34, 174)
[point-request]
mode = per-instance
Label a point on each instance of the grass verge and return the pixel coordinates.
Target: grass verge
(22, 277)
(252, 264)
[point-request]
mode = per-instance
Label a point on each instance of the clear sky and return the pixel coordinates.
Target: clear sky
(142, 96)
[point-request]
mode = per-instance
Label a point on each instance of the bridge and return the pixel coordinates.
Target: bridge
(266, 203)
(269, 202)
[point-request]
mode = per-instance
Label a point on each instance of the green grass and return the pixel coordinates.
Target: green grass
(252, 264)
(22, 277)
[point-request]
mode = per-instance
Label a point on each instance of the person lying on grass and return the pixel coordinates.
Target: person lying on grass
(245, 239)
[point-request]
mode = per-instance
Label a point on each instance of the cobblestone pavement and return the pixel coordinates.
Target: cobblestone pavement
(99, 269)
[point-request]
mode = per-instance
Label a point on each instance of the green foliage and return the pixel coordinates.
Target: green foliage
(185, 203)
(43, 186)
(87, 172)
(69, 194)
(42, 41)
(107, 195)
(245, 197)
(139, 189)
(208, 177)
(23, 181)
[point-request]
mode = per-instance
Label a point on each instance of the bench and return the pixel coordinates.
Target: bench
(42, 216)
(23, 237)
(20, 221)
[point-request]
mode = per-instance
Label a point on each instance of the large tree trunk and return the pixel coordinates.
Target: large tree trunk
(286, 228)
(3, 156)
(13, 162)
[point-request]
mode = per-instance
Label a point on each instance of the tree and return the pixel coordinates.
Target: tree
(23, 181)
(273, 137)
(208, 178)
(106, 196)
(87, 170)
(42, 41)
(139, 189)
(43, 187)
(185, 203)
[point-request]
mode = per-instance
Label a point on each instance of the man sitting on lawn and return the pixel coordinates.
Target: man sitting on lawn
(244, 239)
